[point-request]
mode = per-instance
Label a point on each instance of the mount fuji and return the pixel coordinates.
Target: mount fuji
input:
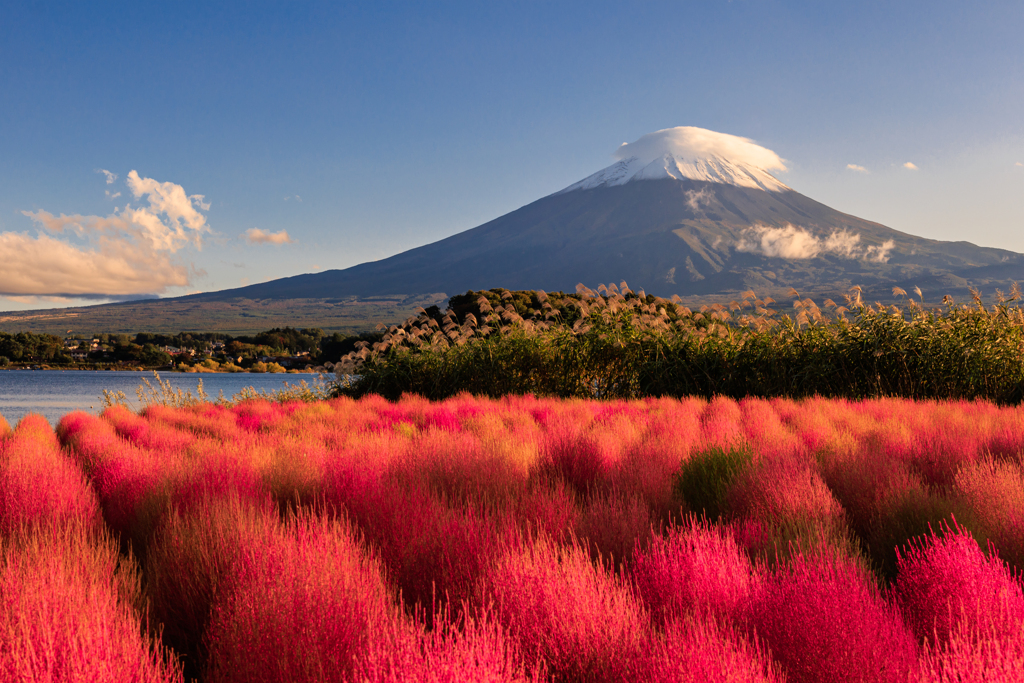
(683, 211)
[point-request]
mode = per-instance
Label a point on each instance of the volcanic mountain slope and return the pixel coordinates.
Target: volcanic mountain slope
(682, 211)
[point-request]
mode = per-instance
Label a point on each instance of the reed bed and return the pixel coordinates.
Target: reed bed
(516, 539)
(615, 343)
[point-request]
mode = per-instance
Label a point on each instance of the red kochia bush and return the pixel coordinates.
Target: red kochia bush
(39, 484)
(721, 424)
(145, 432)
(583, 460)
(789, 502)
(191, 559)
(65, 614)
(967, 608)
(563, 610)
(432, 551)
(695, 568)
(967, 659)
(700, 649)
(613, 525)
(824, 620)
(256, 415)
(993, 492)
(467, 650)
(646, 469)
(124, 476)
(300, 607)
(947, 585)
(785, 490)
(551, 510)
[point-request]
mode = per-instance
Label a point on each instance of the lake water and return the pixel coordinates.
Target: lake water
(52, 393)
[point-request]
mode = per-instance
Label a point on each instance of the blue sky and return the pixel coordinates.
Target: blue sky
(362, 130)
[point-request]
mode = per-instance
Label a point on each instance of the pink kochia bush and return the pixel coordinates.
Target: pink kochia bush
(527, 539)
(126, 478)
(452, 651)
(192, 558)
(695, 568)
(578, 618)
(965, 606)
(299, 607)
(432, 551)
(948, 585)
(39, 483)
(824, 620)
(66, 612)
(700, 649)
(993, 491)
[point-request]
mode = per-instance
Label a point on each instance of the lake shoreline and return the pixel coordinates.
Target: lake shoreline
(54, 393)
(165, 369)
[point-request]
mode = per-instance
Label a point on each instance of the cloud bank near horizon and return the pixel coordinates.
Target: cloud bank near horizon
(792, 242)
(691, 142)
(257, 236)
(128, 253)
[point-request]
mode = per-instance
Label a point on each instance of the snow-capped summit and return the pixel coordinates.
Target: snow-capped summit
(693, 153)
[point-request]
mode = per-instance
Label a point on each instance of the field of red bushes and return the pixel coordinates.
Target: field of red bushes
(518, 539)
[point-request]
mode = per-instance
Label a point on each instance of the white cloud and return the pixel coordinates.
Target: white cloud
(688, 141)
(295, 197)
(1018, 164)
(842, 243)
(127, 253)
(170, 199)
(115, 195)
(879, 253)
(911, 165)
(694, 198)
(170, 222)
(792, 242)
(43, 265)
(36, 300)
(788, 242)
(111, 177)
(858, 169)
(257, 236)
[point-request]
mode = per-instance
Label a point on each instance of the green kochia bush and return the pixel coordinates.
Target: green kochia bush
(633, 346)
(705, 479)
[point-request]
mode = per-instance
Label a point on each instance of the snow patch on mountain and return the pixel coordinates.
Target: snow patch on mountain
(693, 153)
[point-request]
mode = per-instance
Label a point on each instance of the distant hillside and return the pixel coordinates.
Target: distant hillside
(236, 316)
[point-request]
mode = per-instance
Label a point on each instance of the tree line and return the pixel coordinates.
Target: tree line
(150, 349)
